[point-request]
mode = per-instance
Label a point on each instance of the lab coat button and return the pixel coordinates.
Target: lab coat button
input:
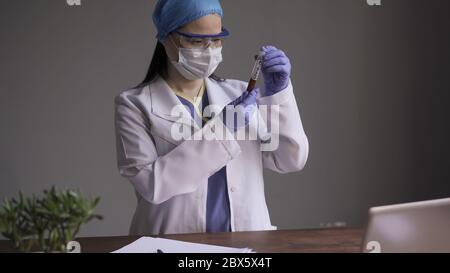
(233, 189)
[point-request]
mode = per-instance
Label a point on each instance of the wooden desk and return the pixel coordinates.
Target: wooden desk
(314, 240)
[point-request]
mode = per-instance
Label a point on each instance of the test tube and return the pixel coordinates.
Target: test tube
(255, 72)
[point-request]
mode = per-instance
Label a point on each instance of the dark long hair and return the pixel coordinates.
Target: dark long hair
(159, 67)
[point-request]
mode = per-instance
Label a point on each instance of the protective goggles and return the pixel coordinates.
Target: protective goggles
(191, 40)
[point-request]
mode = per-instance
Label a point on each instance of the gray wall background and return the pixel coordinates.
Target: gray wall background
(371, 82)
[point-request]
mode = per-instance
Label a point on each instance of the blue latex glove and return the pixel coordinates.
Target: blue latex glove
(276, 70)
(243, 108)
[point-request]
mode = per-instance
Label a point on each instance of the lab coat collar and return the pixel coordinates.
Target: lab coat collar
(163, 100)
(217, 95)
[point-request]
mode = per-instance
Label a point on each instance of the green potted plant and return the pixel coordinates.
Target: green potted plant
(47, 223)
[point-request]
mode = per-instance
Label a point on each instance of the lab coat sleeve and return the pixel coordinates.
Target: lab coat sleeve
(158, 178)
(292, 152)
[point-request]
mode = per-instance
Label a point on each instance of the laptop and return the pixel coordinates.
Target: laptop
(410, 227)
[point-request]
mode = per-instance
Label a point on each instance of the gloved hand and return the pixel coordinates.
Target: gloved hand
(242, 109)
(276, 70)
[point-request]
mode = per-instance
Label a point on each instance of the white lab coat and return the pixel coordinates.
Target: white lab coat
(170, 176)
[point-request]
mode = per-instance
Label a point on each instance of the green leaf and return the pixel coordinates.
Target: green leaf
(49, 221)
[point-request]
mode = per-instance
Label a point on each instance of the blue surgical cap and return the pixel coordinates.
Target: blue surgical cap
(169, 15)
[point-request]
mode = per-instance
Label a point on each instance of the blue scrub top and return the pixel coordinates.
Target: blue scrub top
(217, 204)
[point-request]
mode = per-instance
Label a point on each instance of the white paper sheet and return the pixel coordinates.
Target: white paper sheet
(151, 245)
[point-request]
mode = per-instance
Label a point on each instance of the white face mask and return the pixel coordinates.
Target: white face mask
(199, 63)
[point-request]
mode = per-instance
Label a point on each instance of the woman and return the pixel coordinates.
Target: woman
(210, 184)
